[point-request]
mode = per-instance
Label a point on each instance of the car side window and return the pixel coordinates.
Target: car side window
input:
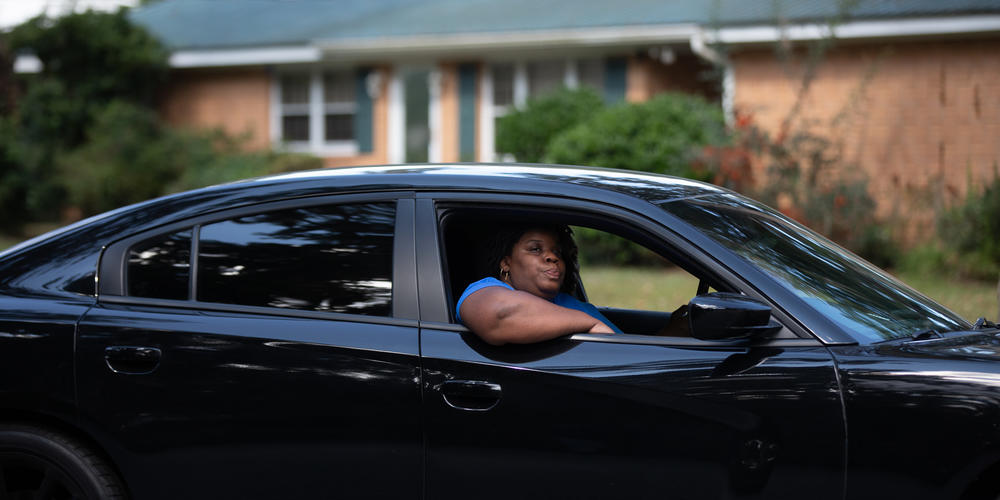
(160, 267)
(335, 258)
(620, 273)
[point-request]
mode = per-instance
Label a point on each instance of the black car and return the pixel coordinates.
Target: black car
(295, 337)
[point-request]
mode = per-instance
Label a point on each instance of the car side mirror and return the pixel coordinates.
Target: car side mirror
(729, 316)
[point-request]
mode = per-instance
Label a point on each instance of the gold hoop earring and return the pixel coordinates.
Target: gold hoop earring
(505, 274)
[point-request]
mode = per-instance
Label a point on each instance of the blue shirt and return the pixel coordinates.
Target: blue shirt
(561, 299)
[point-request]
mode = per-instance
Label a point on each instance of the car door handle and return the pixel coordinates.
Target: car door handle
(132, 360)
(470, 395)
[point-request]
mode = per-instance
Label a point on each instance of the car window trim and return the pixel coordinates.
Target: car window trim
(630, 338)
(257, 310)
(112, 270)
(628, 214)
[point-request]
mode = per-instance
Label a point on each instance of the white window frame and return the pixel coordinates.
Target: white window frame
(317, 143)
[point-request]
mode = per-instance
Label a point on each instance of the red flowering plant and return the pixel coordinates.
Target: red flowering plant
(806, 177)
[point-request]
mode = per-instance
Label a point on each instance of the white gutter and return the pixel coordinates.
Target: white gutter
(857, 29)
(244, 57)
(562, 38)
(701, 49)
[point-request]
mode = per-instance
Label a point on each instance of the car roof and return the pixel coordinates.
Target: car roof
(561, 180)
(654, 188)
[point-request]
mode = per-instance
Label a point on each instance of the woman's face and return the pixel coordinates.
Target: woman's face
(536, 265)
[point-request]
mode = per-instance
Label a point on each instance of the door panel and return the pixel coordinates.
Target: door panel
(254, 406)
(579, 419)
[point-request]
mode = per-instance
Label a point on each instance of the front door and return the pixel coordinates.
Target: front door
(581, 419)
(624, 416)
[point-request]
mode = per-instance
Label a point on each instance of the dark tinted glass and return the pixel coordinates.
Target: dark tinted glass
(333, 258)
(851, 292)
(160, 267)
(339, 127)
(295, 128)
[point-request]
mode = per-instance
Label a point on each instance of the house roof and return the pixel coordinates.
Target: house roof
(231, 24)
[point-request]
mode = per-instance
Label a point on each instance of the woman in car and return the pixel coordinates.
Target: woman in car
(528, 298)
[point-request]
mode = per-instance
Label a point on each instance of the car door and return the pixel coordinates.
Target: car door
(269, 352)
(633, 416)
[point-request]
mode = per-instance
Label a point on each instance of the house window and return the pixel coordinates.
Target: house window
(503, 85)
(339, 106)
(590, 73)
(538, 78)
(546, 76)
(295, 108)
(318, 112)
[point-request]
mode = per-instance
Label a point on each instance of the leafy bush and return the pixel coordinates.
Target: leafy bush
(84, 134)
(661, 135)
(89, 59)
(130, 156)
(601, 248)
(13, 181)
(970, 230)
(526, 133)
(809, 180)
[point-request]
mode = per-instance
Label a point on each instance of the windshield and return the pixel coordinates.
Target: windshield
(853, 293)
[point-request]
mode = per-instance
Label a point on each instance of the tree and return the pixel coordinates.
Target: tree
(89, 60)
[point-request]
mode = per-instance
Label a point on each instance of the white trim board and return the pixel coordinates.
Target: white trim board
(586, 37)
(244, 57)
(889, 28)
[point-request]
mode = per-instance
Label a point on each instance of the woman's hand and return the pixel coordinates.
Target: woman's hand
(600, 327)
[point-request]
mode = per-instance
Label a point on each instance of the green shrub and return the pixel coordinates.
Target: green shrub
(661, 135)
(231, 163)
(88, 60)
(130, 156)
(970, 230)
(606, 249)
(526, 133)
(810, 181)
(14, 183)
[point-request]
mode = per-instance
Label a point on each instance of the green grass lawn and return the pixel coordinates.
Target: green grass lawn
(666, 289)
(8, 241)
(970, 299)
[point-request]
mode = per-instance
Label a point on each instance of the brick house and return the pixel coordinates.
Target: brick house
(912, 87)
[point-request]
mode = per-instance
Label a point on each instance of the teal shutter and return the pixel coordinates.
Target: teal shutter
(614, 79)
(467, 112)
(363, 122)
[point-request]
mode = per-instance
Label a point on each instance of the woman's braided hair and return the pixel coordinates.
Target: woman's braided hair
(501, 244)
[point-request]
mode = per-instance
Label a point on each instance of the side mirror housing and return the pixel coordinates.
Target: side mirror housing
(729, 316)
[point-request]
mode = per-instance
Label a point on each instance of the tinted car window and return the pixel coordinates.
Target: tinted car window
(334, 258)
(160, 267)
(848, 290)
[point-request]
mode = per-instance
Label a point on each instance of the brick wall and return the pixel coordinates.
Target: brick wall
(919, 118)
(235, 100)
